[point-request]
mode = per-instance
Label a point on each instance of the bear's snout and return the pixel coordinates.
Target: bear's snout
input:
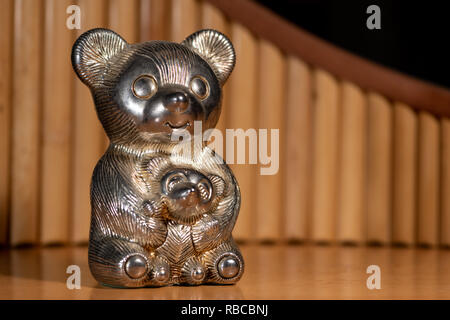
(176, 102)
(186, 194)
(169, 110)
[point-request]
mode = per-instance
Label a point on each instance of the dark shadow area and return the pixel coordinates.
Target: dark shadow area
(412, 38)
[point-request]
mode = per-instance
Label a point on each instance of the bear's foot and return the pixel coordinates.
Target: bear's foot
(225, 264)
(193, 272)
(160, 273)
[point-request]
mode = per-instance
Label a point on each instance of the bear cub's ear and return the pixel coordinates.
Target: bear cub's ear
(92, 53)
(216, 49)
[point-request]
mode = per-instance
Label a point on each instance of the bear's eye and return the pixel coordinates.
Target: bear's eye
(199, 86)
(144, 87)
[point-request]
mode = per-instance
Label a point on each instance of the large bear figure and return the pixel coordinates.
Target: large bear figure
(159, 217)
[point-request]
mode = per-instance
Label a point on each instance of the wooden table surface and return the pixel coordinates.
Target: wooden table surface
(272, 272)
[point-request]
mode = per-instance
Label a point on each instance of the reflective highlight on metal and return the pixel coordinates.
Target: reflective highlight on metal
(198, 274)
(228, 267)
(136, 266)
(158, 216)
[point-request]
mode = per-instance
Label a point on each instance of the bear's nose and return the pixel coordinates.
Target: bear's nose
(177, 102)
(186, 194)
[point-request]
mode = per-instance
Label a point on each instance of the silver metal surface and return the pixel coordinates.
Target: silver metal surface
(228, 267)
(158, 216)
(198, 273)
(136, 266)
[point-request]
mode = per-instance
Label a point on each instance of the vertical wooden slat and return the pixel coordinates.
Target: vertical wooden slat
(124, 19)
(428, 180)
(212, 18)
(155, 20)
(185, 19)
(88, 135)
(271, 93)
(351, 185)
(243, 114)
(379, 169)
(56, 124)
(298, 156)
(325, 165)
(445, 182)
(25, 121)
(405, 160)
(6, 59)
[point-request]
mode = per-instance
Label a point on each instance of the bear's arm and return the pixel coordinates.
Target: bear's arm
(120, 210)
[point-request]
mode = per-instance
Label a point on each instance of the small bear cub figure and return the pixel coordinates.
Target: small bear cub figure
(159, 217)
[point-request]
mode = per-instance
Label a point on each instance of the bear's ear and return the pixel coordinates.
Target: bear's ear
(92, 52)
(216, 49)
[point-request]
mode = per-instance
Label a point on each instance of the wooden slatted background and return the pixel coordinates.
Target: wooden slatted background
(355, 166)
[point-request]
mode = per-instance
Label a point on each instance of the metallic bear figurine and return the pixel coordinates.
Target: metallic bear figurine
(158, 216)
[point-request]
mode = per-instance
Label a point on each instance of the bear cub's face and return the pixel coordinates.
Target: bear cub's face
(150, 90)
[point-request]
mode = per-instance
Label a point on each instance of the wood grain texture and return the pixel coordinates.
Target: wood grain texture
(185, 19)
(124, 19)
(27, 80)
(352, 180)
(325, 157)
(445, 183)
(298, 272)
(56, 125)
(379, 169)
(243, 114)
(271, 108)
(88, 135)
(405, 175)
(298, 155)
(154, 20)
(212, 18)
(6, 60)
(428, 180)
